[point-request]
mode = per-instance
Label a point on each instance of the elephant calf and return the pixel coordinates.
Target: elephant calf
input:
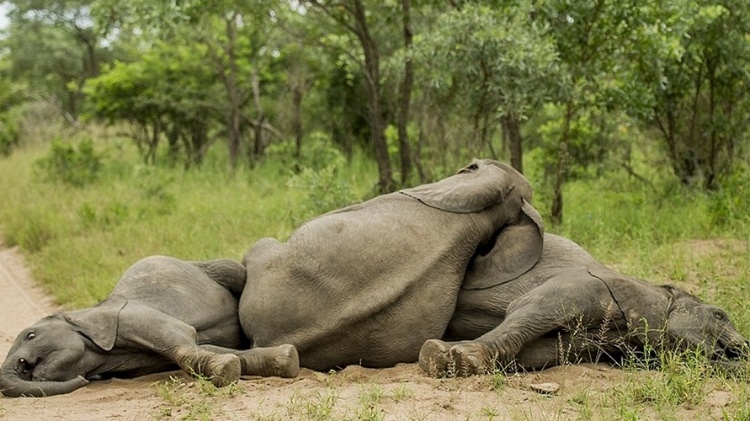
(162, 313)
(571, 308)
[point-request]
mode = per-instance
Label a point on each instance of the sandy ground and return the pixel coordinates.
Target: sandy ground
(399, 393)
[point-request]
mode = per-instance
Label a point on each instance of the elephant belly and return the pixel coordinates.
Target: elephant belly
(336, 333)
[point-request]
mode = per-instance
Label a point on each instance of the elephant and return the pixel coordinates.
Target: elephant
(368, 284)
(571, 308)
(163, 313)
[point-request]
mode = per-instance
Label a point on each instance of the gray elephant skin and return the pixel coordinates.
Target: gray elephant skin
(163, 313)
(373, 281)
(571, 308)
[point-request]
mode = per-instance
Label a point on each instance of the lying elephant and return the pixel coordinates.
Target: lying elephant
(370, 283)
(570, 308)
(162, 313)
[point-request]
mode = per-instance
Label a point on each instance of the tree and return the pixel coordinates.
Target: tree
(595, 40)
(699, 92)
(507, 66)
(54, 46)
(405, 90)
(233, 34)
(168, 93)
(353, 16)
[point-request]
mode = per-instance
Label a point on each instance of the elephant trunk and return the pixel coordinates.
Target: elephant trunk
(13, 386)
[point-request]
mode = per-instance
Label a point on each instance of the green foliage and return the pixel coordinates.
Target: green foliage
(32, 230)
(9, 133)
(599, 141)
(53, 48)
(696, 93)
(507, 61)
(80, 240)
(324, 183)
(68, 164)
(194, 400)
(729, 204)
(168, 95)
(11, 95)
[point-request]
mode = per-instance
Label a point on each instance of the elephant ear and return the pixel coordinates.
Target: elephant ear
(473, 189)
(645, 307)
(99, 323)
(516, 249)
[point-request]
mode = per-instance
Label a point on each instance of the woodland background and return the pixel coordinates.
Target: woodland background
(194, 127)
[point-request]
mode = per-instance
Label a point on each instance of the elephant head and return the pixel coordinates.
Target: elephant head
(52, 356)
(479, 186)
(693, 324)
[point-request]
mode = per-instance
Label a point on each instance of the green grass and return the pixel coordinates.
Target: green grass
(193, 400)
(79, 240)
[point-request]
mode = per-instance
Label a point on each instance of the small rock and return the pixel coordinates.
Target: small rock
(545, 388)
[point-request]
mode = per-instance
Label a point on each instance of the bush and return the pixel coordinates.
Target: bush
(9, 134)
(70, 165)
(324, 185)
(729, 204)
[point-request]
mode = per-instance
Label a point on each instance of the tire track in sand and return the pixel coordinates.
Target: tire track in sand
(22, 301)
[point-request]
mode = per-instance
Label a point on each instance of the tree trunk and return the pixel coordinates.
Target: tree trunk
(386, 183)
(512, 133)
(230, 82)
(260, 144)
(405, 96)
(556, 214)
(297, 120)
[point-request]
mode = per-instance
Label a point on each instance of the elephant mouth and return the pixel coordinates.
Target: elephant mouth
(25, 369)
(736, 353)
(732, 351)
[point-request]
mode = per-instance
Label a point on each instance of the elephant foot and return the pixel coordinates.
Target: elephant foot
(278, 361)
(472, 358)
(286, 363)
(220, 369)
(435, 359)
(226, 370)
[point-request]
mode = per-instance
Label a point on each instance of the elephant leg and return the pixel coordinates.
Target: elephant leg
(564, 347)
(144, 328)
(276, 361)
(549, 307)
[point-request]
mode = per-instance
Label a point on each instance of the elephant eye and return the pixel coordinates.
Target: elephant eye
(30, 336)
(470, 168)
(720, 316)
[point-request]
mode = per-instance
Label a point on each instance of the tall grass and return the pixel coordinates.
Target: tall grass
(79, 240)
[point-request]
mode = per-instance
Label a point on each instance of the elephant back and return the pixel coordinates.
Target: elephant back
(178, 288)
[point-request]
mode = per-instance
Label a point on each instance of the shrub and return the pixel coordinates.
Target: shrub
(9, 134)
(324, 185)
(70, 165)
(729, 204)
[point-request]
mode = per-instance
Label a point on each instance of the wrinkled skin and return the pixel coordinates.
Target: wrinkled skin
(368, 284)
(571, 308)
(162, 314)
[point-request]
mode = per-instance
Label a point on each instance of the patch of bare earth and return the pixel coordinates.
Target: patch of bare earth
(399, 393)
